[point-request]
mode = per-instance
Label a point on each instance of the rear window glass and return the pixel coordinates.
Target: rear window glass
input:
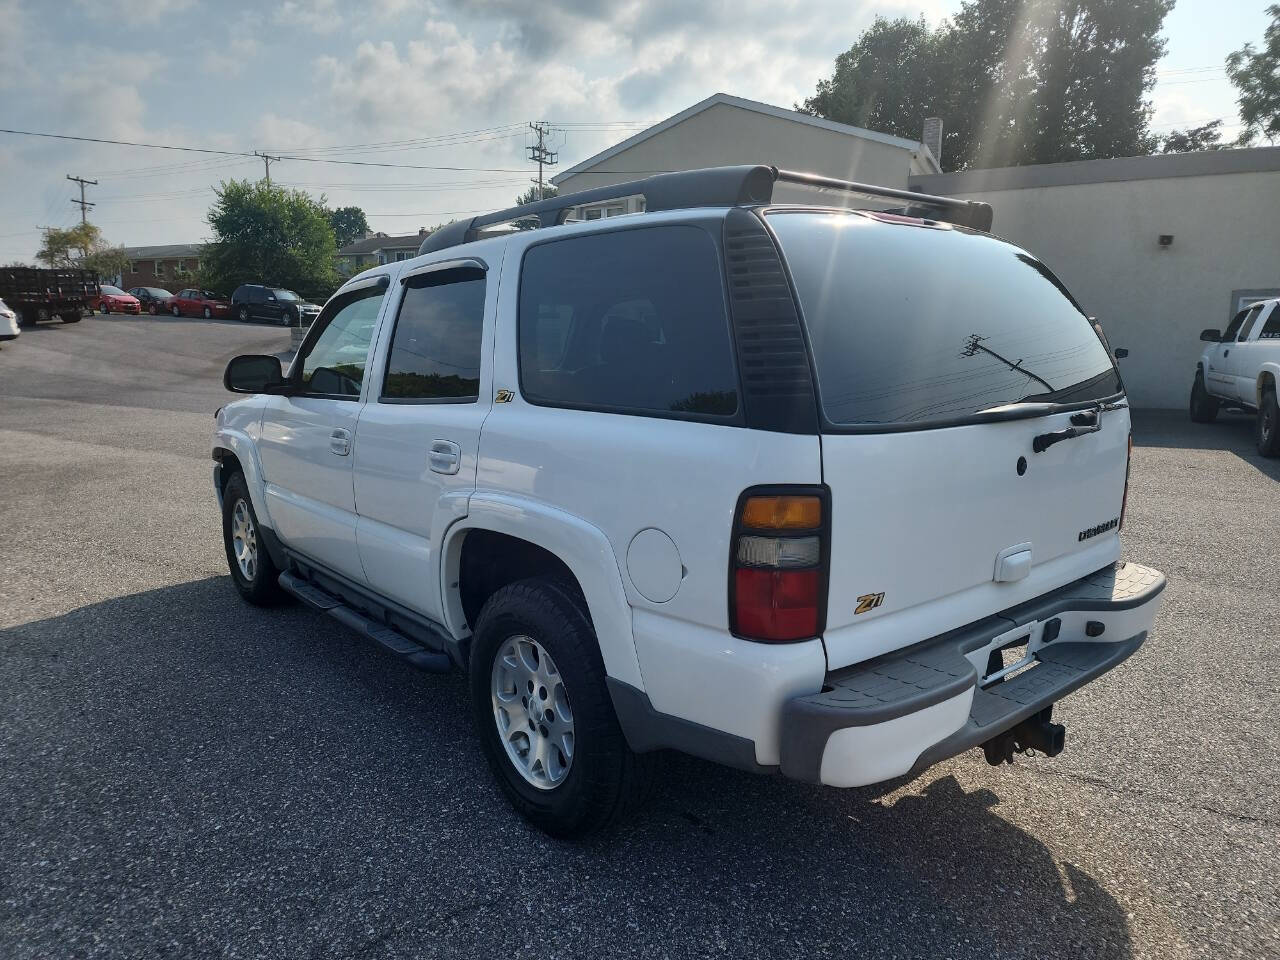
(632, 321)
(1271, 329)
(911, 323)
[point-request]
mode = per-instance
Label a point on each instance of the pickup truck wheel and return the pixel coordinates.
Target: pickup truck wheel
(1204, 408)
(543, 712)
(252, 571)
(1269, 425)
(71, 317)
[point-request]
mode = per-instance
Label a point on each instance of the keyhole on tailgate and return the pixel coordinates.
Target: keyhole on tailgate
(1022, 465)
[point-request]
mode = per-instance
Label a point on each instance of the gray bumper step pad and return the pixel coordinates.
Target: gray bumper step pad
(937, 670)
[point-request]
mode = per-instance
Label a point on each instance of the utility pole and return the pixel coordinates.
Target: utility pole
(266, 164)
(539, 153)
(83, 203)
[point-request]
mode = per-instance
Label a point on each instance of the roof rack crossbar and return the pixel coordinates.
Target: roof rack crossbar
(712, 187)
(969, 213)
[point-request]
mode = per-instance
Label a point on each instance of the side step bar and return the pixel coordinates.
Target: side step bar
(402, 646)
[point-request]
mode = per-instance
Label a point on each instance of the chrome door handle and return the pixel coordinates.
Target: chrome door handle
(445, 456)
(340, 442)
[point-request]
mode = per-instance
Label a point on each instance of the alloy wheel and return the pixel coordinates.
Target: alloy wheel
(244, 540)
(531, 711)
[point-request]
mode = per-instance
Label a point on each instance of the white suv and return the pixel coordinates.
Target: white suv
(1240, 370)
(807, 489)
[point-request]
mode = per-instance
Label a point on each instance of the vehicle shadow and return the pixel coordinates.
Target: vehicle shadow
(1232, 432)
(185, 770)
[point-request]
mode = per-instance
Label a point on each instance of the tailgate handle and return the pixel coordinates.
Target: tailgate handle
(1013, 563)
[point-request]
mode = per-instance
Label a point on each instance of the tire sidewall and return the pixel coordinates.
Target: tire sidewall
(263, 586)
(243, 314)
(1268, 442)
(564, 637)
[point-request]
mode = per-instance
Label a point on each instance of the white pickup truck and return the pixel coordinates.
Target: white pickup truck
(830, 492)
(1240, 369)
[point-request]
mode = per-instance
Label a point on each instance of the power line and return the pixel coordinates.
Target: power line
(266, 163)
(245, 153)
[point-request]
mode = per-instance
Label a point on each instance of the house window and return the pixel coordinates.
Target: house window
(159, 268)
(133, 267)
(180, 269)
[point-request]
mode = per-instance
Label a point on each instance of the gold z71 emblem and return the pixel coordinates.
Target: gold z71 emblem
(868, 601)
(503, 396)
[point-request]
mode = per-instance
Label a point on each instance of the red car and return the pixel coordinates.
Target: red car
(199, 303)
(114, 300)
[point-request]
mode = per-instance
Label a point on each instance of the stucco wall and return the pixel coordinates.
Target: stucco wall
(725, 134)
(1101, 238)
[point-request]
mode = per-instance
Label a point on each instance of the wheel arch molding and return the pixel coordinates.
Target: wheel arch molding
(583, 550)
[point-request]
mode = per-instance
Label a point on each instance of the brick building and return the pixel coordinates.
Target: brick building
(166, 266)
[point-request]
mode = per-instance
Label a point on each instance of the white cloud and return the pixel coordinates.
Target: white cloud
(134, 11)
(319, 16)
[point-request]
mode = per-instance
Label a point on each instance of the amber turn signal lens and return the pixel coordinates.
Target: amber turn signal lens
(782, 513)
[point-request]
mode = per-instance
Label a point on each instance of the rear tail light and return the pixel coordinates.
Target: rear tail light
(778, 564)
(1128, 464)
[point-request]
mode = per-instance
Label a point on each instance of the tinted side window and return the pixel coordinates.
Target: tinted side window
(1271, 329)
(435, 350)
(334, 363)
(1249, 321)
(1234, 326)
(632, 321)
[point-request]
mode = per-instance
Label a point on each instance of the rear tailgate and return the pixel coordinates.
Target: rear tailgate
(941, 355)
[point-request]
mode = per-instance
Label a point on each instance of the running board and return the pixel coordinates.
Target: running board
(395, 641)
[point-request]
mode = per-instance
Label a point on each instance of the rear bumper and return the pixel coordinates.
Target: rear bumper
(903, 712)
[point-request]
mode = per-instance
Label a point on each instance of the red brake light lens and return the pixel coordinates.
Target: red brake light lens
(778, 565)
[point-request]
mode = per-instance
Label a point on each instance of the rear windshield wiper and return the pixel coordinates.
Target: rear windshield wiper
(1082, 423)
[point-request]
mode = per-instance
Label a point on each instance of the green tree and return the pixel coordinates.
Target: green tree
(82, 247)
(1015, 81)
(269, 234)
(349, 224)
(1205, 137)
(1256, 75)
(531, 195)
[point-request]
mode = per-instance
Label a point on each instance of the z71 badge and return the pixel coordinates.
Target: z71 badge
(868, 601)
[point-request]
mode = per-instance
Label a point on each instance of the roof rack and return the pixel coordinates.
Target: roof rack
(710, 187)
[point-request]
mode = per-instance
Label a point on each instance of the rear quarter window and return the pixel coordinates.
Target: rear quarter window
(631, 321)
(917, 324)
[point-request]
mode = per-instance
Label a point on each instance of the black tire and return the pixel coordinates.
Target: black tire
(175, 311)
(72, 317)
(208, 314)
(262, 588)
(151, 309)
(1268, 429)
(605, 781)
(243, 314)
(285, 319)
(105, 308)
(1204, 408)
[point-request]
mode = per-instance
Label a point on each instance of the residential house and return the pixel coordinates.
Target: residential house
(165, 266)
(378, 248)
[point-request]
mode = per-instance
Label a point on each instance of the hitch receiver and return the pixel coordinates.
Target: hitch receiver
(1036, 733)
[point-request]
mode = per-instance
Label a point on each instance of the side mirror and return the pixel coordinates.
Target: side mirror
(253, 373)
(1211, 336)
(1121, 352)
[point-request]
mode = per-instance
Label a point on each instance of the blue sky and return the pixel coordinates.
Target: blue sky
(306, 76)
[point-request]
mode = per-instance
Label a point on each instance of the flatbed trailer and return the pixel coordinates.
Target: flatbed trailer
(42, 294)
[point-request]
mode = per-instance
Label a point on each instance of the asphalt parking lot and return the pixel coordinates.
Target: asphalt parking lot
(184, 776)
